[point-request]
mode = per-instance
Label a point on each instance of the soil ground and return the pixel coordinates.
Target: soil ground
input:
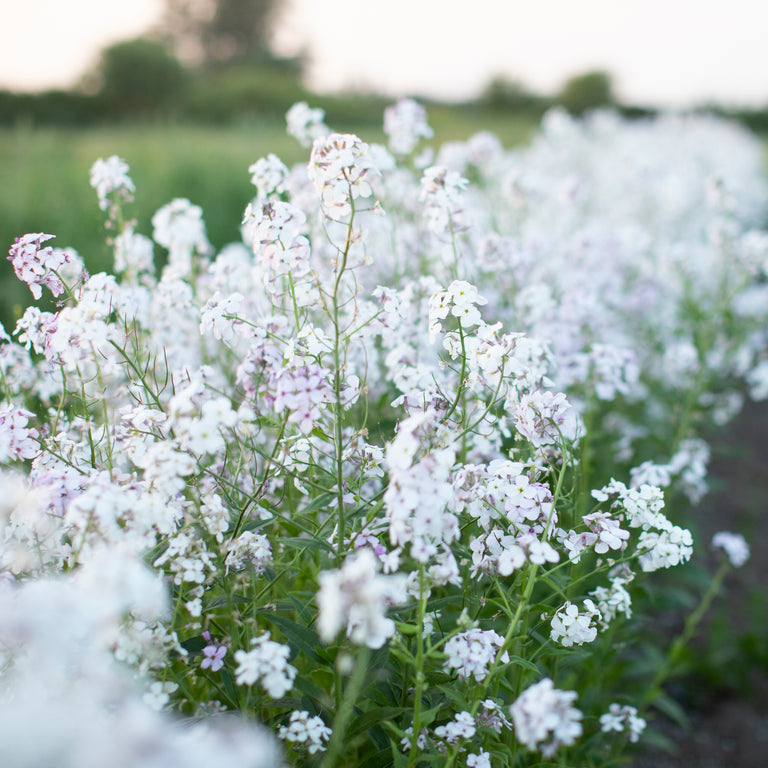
(728, 704)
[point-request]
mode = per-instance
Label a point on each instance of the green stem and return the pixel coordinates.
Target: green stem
(346, 708)
(462, 374)
(337, 384)
(682, 640)
(420, 678)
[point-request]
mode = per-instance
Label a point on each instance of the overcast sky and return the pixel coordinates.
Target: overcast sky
(667, 52)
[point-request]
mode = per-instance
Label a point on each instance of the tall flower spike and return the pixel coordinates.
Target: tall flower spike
(341, 168)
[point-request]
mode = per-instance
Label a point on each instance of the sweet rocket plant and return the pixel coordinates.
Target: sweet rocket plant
(411, 452)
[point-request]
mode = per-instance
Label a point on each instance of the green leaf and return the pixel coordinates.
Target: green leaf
(400, 759)
(300, 637)
(672, 709)
(381, 759)
(371, 718)
(520, 661)
(556, 588)
(194, 644)
(429, 715)
(217, 602)
(306, 542)
(320, 502)
(317, 694)
(401, 653)
(229, 686)
(653, 738)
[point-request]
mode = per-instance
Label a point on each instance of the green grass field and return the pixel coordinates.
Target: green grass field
(46, 186)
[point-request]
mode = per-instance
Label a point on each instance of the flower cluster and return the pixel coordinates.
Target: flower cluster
(623, 718)
(472, 652)
(570, 626)
(303, 729)
(405, 123)
(544, 719)
(36, 265)
(267, 664)
(734, 546)
(357, 451)
(341, 169)
(357, 597)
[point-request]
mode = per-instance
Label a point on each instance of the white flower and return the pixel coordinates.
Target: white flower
(306, 124)
(249, 547)
(268, 175)
(573, 627)
(443, 194)
(159, 695)
(620, 718)
(179, 227)
(472, 652)
(405, 123)
(219, 316)
(665, 549)
(461, 727)
(267, 664)
(612, 601)
(479, 760)
(134, 253)
(545, 418)
(357, 596)
(109, 176)
(341, 168)
(544, 718)
(734, 545)
(304, 729)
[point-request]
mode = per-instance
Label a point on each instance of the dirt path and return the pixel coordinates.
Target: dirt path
(729, 709)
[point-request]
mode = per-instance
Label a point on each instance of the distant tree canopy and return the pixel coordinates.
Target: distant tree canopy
(138, 77)
(214, 32)
(503, 93)
(586, 91)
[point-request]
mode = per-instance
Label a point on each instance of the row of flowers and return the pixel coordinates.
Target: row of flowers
(388, 476)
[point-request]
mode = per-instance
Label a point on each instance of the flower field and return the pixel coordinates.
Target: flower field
(391, 480)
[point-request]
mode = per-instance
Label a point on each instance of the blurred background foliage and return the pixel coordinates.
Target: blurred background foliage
(190, 106)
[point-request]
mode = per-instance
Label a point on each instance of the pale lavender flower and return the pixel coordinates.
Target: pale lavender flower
(214, 657)
(545, 418)
(35, 265)
(471, 653)
(17, 440)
